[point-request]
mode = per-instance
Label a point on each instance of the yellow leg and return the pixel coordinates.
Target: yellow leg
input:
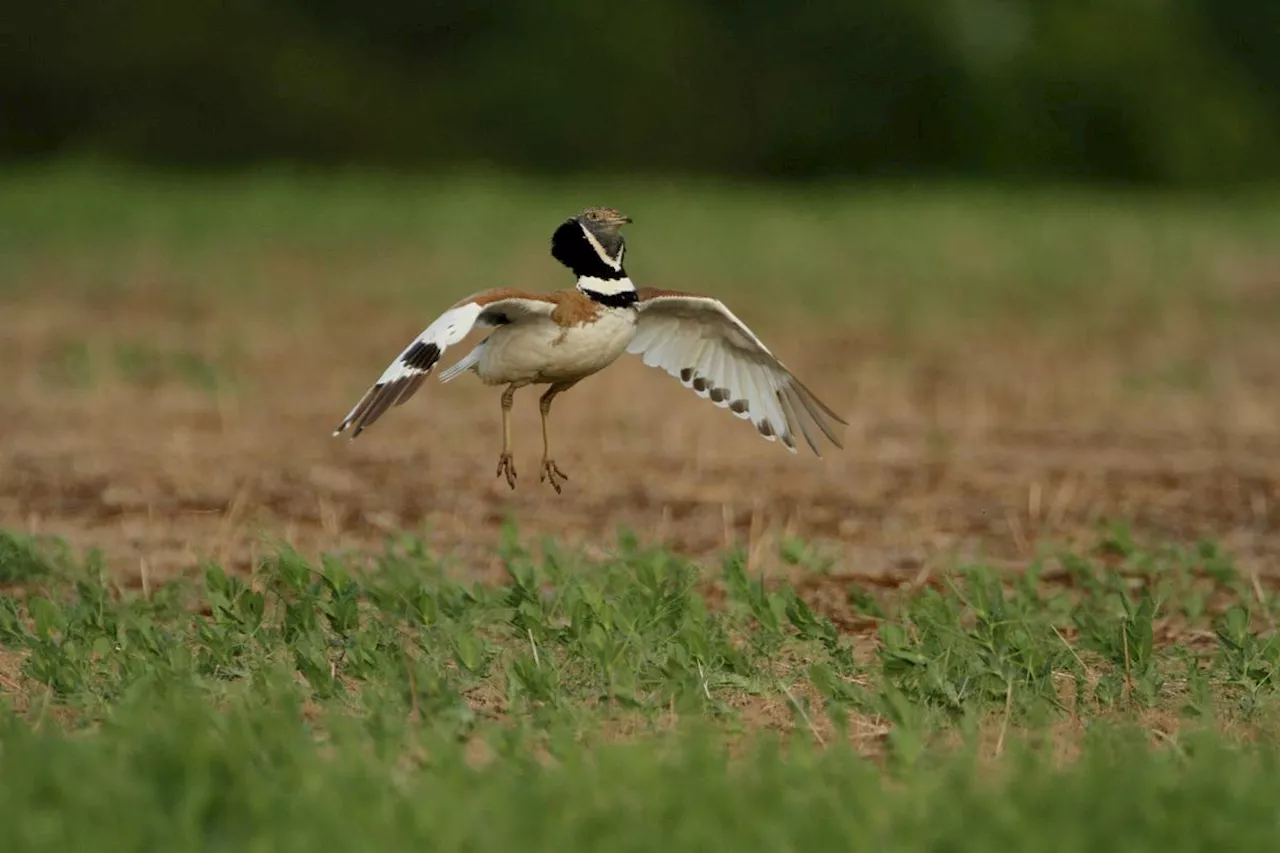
(551, 471)
(506, 465)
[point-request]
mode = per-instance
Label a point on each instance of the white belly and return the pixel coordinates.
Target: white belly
(539, 350)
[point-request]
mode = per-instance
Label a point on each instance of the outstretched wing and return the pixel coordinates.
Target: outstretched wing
(403, 376)
(699, 341)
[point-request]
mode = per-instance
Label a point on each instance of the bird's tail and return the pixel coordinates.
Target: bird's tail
(467, 363)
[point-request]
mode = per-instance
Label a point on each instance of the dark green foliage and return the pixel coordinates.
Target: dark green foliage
(21, 559)
(1177, 92)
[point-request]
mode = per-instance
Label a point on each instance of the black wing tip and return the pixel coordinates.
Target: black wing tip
(343, 428)
(420, 360)
(351, 419)
(421, 355)
(371, 405)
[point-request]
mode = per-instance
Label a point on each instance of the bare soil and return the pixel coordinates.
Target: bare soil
(967, 446)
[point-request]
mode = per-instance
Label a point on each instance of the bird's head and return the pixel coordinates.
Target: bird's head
(602, 219)
(590, 242)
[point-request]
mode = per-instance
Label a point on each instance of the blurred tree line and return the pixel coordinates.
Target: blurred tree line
(1161, 91)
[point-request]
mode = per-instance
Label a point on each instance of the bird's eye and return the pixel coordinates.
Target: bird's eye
(594, 216)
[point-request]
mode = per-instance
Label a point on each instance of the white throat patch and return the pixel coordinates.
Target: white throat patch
(606, 286)
(615, 263)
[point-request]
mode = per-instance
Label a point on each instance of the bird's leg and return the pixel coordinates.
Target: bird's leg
(551, 471)
(505, 463)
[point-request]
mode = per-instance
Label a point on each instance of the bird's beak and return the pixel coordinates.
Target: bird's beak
(624, 220)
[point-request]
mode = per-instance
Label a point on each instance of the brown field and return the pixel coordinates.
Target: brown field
(985, 439)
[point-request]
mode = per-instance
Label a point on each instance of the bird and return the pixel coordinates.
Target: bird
(559, 338)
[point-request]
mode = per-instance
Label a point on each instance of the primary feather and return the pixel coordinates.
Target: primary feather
(414, 364)
(699, 341)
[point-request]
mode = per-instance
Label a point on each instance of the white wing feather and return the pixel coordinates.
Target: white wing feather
(414, 364)
(699, 341)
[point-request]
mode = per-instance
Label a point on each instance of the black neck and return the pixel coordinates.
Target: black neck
(569, 246)
(621, 299)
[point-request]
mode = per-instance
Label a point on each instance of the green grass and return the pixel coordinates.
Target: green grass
(1123, 697)
(179, 776)
(905, 255)
(375, 702)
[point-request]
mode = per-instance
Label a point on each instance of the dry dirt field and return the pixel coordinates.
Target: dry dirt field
(1092, 379)
(989, 449)
(166, 416)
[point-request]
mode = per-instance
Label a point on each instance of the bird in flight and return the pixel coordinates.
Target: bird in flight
(560, 338)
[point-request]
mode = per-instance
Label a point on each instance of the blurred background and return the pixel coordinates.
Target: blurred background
(1029, 249)
(1166, 92)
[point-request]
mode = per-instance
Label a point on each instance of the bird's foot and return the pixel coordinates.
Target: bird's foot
(506, 465)
(551, 471)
